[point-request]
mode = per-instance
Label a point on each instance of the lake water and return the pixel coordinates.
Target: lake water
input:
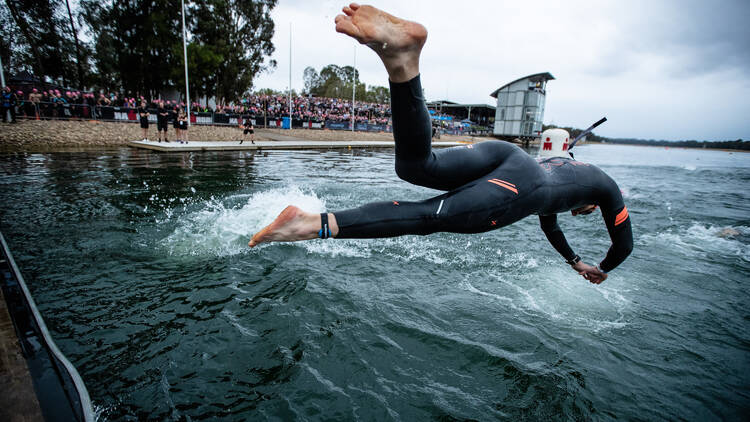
(139, 264)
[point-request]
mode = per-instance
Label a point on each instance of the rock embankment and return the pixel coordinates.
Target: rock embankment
(51, 135)
(55, 135)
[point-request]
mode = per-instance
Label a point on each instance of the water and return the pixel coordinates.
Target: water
(139, 263)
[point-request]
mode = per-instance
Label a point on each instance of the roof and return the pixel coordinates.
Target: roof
(23, 76)
(536, 77)
(448, 104)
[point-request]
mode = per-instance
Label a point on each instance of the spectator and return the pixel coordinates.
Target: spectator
(143, 115)
(35, 98)
(247, 128)
(183, 126)
(162, 116)
(9, 101)
(176, 123)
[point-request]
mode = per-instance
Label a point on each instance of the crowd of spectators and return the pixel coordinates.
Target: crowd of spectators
(54, 103)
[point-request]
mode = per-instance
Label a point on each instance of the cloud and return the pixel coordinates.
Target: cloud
(669, 69)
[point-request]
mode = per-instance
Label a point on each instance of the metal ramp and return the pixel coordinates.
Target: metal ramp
(60, 392)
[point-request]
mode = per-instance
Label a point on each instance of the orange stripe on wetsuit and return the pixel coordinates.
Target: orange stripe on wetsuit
(507, 185)
(622, 216)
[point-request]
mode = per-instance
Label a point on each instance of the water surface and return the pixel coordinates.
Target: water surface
(139, 263)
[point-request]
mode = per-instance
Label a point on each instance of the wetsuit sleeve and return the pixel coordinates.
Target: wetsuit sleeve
(555, 236)
(621, 233)
(617, 219)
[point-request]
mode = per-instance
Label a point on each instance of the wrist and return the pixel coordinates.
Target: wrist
(598, 267)
(573, 261)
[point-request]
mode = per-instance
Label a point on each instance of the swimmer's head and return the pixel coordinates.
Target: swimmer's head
(554, 143)
(584, 210)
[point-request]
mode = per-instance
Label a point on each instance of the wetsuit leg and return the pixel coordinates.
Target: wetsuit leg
(501, 198)
(444, 169)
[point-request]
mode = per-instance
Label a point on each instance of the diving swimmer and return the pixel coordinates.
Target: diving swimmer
(487, 185)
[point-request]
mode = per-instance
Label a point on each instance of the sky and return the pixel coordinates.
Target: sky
(661, 69)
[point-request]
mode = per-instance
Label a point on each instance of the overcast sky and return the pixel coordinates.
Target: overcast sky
(657, 69)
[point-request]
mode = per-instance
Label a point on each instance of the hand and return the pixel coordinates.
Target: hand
(592, 274)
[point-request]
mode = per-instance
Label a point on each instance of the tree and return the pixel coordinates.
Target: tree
(48, 44)
(135, 43)
(336, 82)
(74, 33)
(13, 49)
(138, 44)
(310, 79)
(238, 33)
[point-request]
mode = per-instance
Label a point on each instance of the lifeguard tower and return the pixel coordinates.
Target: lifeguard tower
(520, 107)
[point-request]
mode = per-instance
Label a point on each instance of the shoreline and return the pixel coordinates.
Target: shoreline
(87, 135)
(39, 136)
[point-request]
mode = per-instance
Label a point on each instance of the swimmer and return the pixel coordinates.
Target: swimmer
(488, 185)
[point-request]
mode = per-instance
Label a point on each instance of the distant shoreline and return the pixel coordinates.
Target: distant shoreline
(667, 146)
(85, 135)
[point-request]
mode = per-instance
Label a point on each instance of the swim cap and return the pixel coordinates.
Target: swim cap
(554, 143)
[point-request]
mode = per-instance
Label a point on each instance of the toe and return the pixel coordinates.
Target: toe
(345, 26)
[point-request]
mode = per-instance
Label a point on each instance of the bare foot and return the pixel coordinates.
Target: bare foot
(398, 42)
(292, 224)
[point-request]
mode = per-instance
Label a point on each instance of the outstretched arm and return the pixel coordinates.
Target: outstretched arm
(557, 239)
(555, 236)
(621, 233)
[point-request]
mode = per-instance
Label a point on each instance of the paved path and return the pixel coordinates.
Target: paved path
(18, 400)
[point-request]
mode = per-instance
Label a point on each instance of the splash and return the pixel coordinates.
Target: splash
(557, 297)
(218, 228)
(705, 240)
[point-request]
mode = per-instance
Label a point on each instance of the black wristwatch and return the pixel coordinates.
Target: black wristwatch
(574, 261)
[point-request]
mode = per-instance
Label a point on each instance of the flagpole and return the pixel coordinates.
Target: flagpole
(2, 86)
(2, 74)
(184, 51)
(290, 76)
(354, 83)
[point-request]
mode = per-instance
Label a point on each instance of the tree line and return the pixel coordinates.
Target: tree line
(135, 46)
(336, 82)
(738, 144)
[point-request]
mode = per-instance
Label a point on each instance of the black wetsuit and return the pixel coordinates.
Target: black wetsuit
(143, 119)
(162, 117)
(175, 118)
(490, 185)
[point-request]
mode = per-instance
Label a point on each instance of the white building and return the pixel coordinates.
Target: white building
(520, 106)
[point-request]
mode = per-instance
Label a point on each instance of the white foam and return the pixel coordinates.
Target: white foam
(220, 229)
(559, 297)
(704, 240)
(335, 248)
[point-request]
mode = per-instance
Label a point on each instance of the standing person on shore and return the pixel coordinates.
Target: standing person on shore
(175, 116)
(162, 116)
(241, 126)
(9, 101)
(183, 127)
(35, 98)
(248, 126)
(143, 116)
(488, 185)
